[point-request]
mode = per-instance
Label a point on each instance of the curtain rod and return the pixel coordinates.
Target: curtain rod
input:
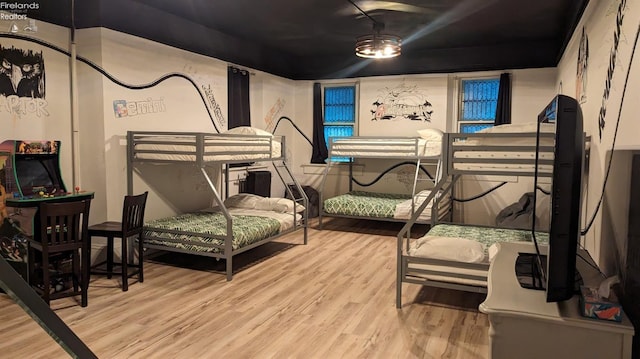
(240, 68)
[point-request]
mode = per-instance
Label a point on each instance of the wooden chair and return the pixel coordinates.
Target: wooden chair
(60, 230)
(130, 226)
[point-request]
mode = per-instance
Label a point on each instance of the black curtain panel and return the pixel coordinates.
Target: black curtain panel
(238, 97)
(319, 153)
(503, 110)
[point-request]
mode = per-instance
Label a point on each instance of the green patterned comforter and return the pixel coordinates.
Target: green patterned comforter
(246, 230)
(486, 235)
(365, 204)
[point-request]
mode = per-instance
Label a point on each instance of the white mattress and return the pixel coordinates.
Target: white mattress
(216, 148)
(385, 147)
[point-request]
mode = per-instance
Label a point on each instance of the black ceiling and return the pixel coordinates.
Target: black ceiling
(314, 39)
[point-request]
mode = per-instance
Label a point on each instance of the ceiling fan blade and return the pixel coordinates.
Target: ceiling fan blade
(369, 6)
(458, 13)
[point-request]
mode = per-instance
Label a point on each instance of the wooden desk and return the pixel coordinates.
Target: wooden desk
(523, 325)
(35, 201)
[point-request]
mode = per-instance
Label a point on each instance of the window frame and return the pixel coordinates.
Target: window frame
(459, 92)
(354, 124)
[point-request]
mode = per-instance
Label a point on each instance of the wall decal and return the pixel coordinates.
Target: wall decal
(274, 112)
(109, 76)
(617, 33)
(22, 82)
(214, 105)
(123, 108)
(581, 71)
(402, 101)
(21, 73)
(207, 88)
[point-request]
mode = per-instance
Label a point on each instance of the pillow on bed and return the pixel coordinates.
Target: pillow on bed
(246, 130)
(253, 201)
(288, 204)
(243, 200)
(449, 248)
(430, 134)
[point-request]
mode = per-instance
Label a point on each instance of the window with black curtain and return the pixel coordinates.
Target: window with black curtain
(238, 101)
(238, 97)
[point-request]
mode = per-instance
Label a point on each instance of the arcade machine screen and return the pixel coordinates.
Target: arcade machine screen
(38, 173)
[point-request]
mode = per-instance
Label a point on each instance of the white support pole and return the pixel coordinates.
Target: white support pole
(75, 117)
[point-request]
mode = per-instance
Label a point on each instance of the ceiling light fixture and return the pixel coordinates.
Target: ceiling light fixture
(377, 45)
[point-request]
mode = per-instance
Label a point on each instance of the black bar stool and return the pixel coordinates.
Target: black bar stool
(62, 234)
(130, 226)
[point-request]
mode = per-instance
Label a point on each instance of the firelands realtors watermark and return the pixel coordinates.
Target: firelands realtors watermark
(15, 10)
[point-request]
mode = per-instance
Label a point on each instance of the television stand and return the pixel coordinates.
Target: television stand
(523, 325)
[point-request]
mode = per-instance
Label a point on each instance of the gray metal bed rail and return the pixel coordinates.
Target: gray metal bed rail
(206, 150)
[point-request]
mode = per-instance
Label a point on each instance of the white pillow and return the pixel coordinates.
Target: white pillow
(253, 201)
(246, 130)
(287, 205)
(449, 248)
(430, 134)
(243, 200)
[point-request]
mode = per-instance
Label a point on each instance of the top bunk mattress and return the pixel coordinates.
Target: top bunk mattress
(193, 147)
(384, 147)
(505, 149)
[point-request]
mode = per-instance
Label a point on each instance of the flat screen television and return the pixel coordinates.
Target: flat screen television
(556, 271)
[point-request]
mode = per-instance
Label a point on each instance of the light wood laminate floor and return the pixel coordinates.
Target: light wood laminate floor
(333, 298)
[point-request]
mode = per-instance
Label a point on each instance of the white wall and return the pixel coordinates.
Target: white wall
(606, 240)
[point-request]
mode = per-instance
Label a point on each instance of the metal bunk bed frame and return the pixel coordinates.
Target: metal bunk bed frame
(201, 146)
(397, 148)
(453, 145)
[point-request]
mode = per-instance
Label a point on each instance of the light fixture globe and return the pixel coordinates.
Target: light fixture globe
(378, 46)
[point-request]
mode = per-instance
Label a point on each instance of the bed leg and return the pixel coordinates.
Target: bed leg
(305, 233)
(399, 291)
(399, 275)
(229, 263)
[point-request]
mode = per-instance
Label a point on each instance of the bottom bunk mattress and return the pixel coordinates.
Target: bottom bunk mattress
(486, 236)
(376, 205)
(203, 231)
(452, 246)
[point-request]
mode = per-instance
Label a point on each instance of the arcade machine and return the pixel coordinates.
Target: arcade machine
(29, 175)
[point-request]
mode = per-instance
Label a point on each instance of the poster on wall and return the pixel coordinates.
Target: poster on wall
(22, 82)
(400, 107)
(402, 102)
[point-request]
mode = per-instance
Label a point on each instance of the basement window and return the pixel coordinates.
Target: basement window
(478, 103)
(339, 114)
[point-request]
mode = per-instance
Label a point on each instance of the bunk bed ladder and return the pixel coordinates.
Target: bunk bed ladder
(300, 198)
